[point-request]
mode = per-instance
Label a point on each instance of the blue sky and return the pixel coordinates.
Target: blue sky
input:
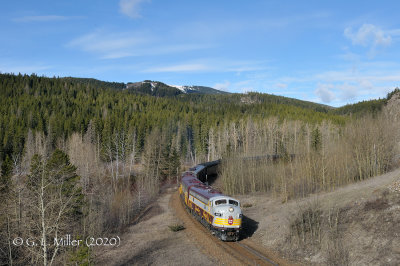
(331, 52)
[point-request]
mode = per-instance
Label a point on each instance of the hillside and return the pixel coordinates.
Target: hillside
(207, 94)
(199, 89)
(117, 147)
(354, 225)
(153, 88)
(156, 88)
(160, 89)
(60, 106)
(361, 108)
(366, 107)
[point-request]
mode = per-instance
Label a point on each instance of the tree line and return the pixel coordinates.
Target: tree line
(313, 158)
(59, 107)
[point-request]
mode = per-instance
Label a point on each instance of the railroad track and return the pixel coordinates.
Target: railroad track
(261, 259)
(242, 252)
(248, 255)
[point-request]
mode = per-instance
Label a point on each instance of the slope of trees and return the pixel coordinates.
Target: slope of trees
(324, 156)
(84, 157)
(359, 109)
(60, 106)
(153, 88)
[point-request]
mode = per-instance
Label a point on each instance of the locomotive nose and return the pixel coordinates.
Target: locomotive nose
(235, 212)
(232, 211)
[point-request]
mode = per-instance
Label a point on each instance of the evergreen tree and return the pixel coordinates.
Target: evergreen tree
(5, 177)
(316, 141)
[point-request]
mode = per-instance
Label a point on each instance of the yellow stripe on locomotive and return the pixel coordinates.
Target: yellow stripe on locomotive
(220, 213)
(225, 222)
(206, 215)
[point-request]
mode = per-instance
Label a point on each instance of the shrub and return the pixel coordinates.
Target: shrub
(176, 227)
(307, 225)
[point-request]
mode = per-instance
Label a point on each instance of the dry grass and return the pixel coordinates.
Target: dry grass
(247, 205)
(315, 230)
(325, 157)
(176, 227)
(307, 225)
(355, 225)
(150, 242)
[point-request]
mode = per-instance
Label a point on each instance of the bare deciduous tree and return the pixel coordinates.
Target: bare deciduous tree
(54, 203)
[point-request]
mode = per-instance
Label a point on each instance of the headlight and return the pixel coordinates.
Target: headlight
(231, 209)
(218, 214)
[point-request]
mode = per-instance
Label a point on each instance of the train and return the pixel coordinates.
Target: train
(219, 213)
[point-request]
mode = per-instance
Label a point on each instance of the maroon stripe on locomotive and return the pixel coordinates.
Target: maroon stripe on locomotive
(206, 191)
(189, 180)
(192, 183)
(202, 213)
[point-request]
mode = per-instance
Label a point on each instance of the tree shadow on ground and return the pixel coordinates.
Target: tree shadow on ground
(148, 213)
(147, 255)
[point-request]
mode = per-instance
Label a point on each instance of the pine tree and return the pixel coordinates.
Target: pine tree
(316, 141)
(5, 177)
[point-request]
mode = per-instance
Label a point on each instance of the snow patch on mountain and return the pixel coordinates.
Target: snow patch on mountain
(157, 86)
(184, 89)
(181, 88)
(152, 84)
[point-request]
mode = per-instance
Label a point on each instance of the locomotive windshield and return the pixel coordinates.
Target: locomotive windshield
(221, 201)
(233, 202)
(224, 201)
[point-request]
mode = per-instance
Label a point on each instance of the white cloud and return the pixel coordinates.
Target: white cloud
(126, 44)
(346, 84)
(222, 86)
(103, 43)
(178, 68)
(282, 85)
(247, 90)
(45, 18)
(324, 92)
(348, 91)
(110, 46)
(172, 48)
(205, 65)
(23, 68)
(368, 35)
(131, 8)
(367, 84)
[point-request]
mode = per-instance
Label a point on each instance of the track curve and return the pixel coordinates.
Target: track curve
(243, 252)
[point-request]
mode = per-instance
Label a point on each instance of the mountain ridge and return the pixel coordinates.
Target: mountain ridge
(193, 92)
(158, 88)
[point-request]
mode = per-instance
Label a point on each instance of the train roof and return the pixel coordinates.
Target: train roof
(198, 168)
(189, 179)
(199, 187)
(206, 191)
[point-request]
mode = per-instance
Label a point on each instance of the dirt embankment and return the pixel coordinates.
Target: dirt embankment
(151, 242)
(358, 224)
(245, 252)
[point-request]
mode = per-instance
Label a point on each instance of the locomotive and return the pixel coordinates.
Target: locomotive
(219, 213)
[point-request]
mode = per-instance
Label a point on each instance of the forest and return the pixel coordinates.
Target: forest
(84, 157)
